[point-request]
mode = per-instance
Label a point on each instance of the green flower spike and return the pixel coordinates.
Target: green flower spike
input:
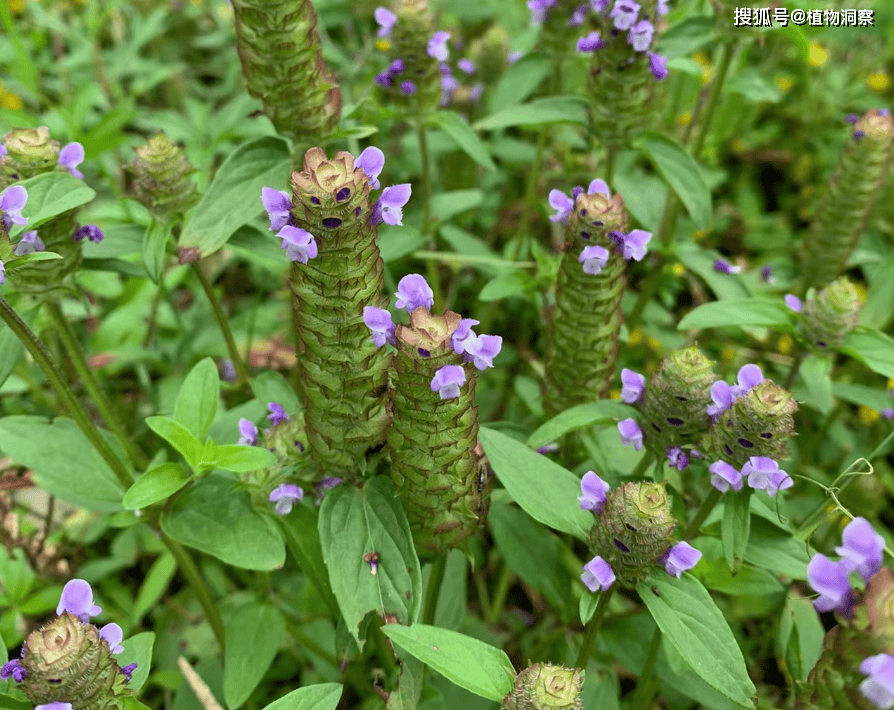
(582, 342)
(546, 687)
(831, 314)
(634, 528)
(436, 465)
(410, 39)
(67, 661)
(849, 197)
(343, 375)
(288, 443)
(162, 181)
(282, 63)
(758, 424)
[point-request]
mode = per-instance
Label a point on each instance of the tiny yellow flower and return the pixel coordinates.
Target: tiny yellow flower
(684, 118)
(727, 354)
(707, 70)
(817, 55)
(785, 344)
(868, 415)
(636, 337)
(653, 343)
(678, 269)
(383, 45)
(651, 367)
(614, 394)
(861, 292)
(10, 101)
(15, 6)
(891, 384)
(783, 82)
(879, 81)
(699, 234)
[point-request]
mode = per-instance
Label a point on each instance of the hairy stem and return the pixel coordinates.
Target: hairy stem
(499, 598)
(707, 506)
(593, 627)
(645, 685)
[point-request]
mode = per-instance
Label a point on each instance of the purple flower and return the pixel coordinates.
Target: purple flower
(633, 385)
(563, 205)
(538, 10)
(15, 670)
(3, 150)
(396, 68)
(724, 267)
(447, 381)
(384, 80)
(724, 477)
(859, 134)
(481, 350)
(389, 207)
(749, 376)
(437, 46)
(548, 449)
(599, 5)
(55, 705)
(414, 292)
(594, 259)
(227, 371)
(278, 207)
(722, 396)
(248, 432)
(764, 474)
(630, 433)
(128, 670)
(327, 483)
(371, 161)
(852, 118)
(462, 333)
(113, 634)
(277, 414)
(597, 574)
(476, 91)
(624, 14)
(793, 302)
(662, 8)
(887, 413)
(29, 244)
(677, 458)
(386, 21)
(679, 558)
(578, 16)
(830, 580)
(466, 66)
(285, 496)
(591, 43)
(633, 244)
(878, 688)
(658, 66)
(408, 88)
(299, 244)
(378, 320)
(77, 599)
(70, 157)
(593, 492)
(767, 275)
(2, 272)
(88, 231)
(862, 547)
(598, 185)
(640, 35)
(513, 57)
(12, 200)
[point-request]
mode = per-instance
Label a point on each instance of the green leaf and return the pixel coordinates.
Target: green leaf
(409, 684)
(550, 109)
(449, 204)
(179, 437)
(776, 550)
(234, 196)
(736, 526)
(155, 243)
(257, 630)
(356, 522)
(50, 195)
(681, 173)
(324, 696)
(137, 649)
(216, 517)
(799, 641)
(300, 531)
(196, 403)
(508, 284)
(519, 81)
(873, 348)
(47, 449)
(270, 386)
(239, 458)
(466, 244)
(11, 350)
(461, 132)
(468, 662)
(738, 312)
(156, 485)
(582, 415)
(523, 473)
(20, 261)
(685, 38)
(154, 585)
(694, 626)
(816, 371)
(754, 86)
(879, 306)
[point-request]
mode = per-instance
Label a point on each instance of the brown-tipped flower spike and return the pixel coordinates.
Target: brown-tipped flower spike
(831, 314)
(542, 686)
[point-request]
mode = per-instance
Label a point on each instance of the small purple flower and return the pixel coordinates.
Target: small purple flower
(548, 449)
(724, 477)
(830, 580)
(384, 80)
(624, 14)
(640, 35)
(481, 350)
(55, 705)
(764, 474)
(277, 414)
(447, 381)
(599, 5)
(396, 68)
(278, 207)
(299, 244)
(679, 558)
(467, 66)
(598, 574)
(29, 244)
(227, 371)
(389, 208)
(386, 20)
(598, 185)
(563, 205)
(722, 396)
(513, 57)
(878, 688)
(2, 272)
(852, 118)
(113, 634)
(326, 484)
(793, 302)
(12, 200)
(371, 161)
(578, 16)
(859, 135)
(539, 9)
(285, 496)
(630, 433)
(749, 376)
(677, 458)
(378, 320)
(437, 46)
(77, 599)
(70, 157)
(767, 275)
(662, 8)
(594, 259)
(593, 492)
(462, 333)
(476, 91)
(408, 88)
(15, 670)
(633, 244)
(862, 547)
(414, 292)
(248, 433)
(724, 267)
(88, 231)
(128, 670)
(887, 413)
(633, 385)
(658, 66)
(3, 150)
(591, 43)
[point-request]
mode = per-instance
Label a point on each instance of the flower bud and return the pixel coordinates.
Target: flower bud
(546, 687)
(162, 181)
(831, 314)
(288, 443)
(29, 152)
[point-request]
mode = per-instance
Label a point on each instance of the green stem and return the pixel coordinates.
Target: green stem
(593, 628)
(527, 230)
(435, 579)
(726, 58)
(645, 685)
(611, 154)
(790, 377)
(499, 598)
(199, 588)
(483, 596)
(77, 411)
(223, 324)
(88, 378)
(641, 467)
(707, 506)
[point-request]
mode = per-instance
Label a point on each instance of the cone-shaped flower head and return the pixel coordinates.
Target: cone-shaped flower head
(330, 195)
(162, 178)
(421, 48)
(546, 687)
(29, 152)
(633, 530)
(831, 314)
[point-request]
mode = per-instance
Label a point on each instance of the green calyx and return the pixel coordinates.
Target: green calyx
(30, 152)
(162, 181)
(409, 43)
(288, 443)
(831, 314)
(543, 686)
(634, 528)
(674, 405)
(67, 661)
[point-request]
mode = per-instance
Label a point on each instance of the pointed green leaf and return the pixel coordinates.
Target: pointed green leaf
(179, 437)
(197, 401)
(549, 109)
(255, 632)
(409, 684)
(577, 417)
(137, 649)
(242, 459)
(738, 312)
(799, 641)
(816, 371)
(681, 173)
(155, 243)
(873, 348)
(50, 195)
(300, 531)
(324, 696)
(736, 526)
(462, 134)
(156, 485)
(519, 81)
